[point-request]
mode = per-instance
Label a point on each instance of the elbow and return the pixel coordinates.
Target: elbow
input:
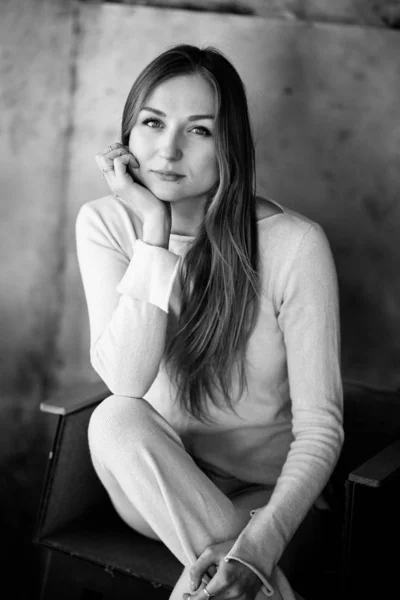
(120, 381)
(340, 442)
(323, 440)
(334, 440)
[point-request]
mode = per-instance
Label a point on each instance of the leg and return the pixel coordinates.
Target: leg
(156, 486)
(143, 457)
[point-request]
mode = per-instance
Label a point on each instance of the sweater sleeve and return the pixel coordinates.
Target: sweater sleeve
(127, 301)
(309, 320)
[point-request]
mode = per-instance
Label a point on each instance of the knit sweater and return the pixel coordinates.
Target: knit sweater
(286, 431)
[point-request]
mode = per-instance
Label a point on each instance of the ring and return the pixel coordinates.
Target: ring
(208, 595)
(110, 148)
(108, 169)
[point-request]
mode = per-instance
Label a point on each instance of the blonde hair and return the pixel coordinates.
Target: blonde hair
(220, 272)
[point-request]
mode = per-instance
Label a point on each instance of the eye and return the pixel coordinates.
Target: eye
(203, 131)
(152, 123)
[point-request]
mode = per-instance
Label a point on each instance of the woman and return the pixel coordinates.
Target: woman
(214, 322)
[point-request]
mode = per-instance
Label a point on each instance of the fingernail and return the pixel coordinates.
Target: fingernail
(192, 586)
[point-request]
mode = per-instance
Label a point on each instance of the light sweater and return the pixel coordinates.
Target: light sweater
(287, 432)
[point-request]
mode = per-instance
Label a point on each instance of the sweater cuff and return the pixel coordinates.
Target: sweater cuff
(150, 275)
(259, 544)
(266, 588)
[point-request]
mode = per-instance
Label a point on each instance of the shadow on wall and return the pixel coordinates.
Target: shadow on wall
(24, 453)
(36, 43)
(350, 158)
(377, 13)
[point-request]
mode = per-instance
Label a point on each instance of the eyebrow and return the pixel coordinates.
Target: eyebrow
(191, 118)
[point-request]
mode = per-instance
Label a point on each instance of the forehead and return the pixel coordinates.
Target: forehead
(191, 94)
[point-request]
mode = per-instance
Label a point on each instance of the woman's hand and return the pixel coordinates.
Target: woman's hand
(232, 579)
(118, 165)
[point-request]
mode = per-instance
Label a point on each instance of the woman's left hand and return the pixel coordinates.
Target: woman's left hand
(232, 579)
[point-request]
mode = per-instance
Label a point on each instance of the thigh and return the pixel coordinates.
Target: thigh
(244, 496)
(249, 498)
(125, 509)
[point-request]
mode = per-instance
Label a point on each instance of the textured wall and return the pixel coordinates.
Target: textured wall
(324, 102)
(36, 40)
(324, 99)
(378, 13)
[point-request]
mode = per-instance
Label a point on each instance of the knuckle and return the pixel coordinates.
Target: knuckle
(228, 579)
(236, 591)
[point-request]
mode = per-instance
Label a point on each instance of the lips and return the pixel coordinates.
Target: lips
(168, 175)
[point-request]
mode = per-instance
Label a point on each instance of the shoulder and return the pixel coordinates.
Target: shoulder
(293, 247)
(285, 230)
(265, 208)
(108, 217)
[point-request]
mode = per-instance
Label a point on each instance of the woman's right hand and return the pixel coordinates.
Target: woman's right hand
(117, 164)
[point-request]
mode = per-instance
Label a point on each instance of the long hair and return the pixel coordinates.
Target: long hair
(219, 275)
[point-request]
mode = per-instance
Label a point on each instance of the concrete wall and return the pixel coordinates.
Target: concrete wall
(36, 39)
(375, 13)
(324, 103)
(323, 84)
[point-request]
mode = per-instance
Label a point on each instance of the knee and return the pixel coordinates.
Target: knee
(116, 422)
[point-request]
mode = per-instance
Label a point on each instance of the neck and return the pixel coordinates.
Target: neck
(187, 216)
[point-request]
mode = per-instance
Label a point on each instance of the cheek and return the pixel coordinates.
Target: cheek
(139, 149)
(134, 143)
(205, 160)
(139, 144)
(211, 165)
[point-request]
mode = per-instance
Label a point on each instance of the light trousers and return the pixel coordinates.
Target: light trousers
(159, 490)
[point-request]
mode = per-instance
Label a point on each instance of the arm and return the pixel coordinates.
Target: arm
(127, 300)
(309, 319)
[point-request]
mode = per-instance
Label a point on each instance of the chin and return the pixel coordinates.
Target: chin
(164, 194)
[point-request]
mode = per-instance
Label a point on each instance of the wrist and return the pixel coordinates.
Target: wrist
(156, 232)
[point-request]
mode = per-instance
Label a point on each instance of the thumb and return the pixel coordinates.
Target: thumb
(198, 572)
(122, 164)
(132, 165)
(133, 161)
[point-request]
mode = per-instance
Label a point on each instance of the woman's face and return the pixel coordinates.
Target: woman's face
(173, 140)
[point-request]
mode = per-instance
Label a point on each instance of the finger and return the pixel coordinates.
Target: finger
(116, 152)
(204, 578)
(134, 163)
(199, 592)
(111, 147)
(107, 150)
(120, 165)
(217, 586)
(206, 563)
(106, 160)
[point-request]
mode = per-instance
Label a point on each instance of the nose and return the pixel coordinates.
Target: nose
(170, 147)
